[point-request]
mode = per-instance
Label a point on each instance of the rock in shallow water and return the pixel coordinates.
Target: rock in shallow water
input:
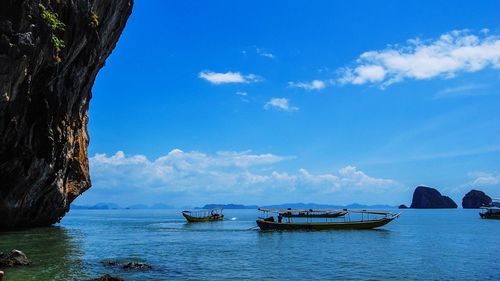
(129, 265)
(110, 263)
(137, 266)
(107, 277)
(14, 258)
(427, 198)
(46, 77)
(475, 199)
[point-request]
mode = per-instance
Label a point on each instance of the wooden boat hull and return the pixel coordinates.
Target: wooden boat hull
(203, 219)
(491, 216)
(269, 225)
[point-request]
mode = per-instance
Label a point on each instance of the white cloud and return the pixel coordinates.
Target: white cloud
(348, 177)
(179, 170)
(280, 104)
(228, 77)
(461, 91)
(243, 96)
(265, 54)
(352, 176)
(454, 52)
(313, 85)
(229, 171)
(484, 179)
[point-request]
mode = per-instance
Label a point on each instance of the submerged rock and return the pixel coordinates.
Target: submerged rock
(107, 277)
(110, 263)
(50, 54)
(137, 266)
(402, 206)
(475, 199)
(129, 265)
(427, 198)
(14, 258)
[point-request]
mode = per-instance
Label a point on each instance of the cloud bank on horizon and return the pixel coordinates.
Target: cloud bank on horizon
(247, 177)
(237, 173)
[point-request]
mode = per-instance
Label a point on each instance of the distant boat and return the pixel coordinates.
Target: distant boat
(290, 219)
(492, 211)
(203, 215)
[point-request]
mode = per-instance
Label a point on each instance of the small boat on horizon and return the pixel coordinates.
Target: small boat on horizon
(492, 211)
(203, 215)
(290, 219)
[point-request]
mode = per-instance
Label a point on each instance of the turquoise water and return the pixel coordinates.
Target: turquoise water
(420, 245)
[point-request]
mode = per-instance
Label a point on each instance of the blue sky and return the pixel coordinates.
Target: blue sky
(261, 102)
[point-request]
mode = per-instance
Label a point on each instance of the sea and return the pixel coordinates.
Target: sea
(432, 244)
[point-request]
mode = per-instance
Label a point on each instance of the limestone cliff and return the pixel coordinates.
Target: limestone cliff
(475, 199)
(427, 197)
(50, 53)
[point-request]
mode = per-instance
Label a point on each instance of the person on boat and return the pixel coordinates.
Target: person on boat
(214, 214)
(280, 218)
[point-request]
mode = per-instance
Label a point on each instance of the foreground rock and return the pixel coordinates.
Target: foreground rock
(14, 258)
(50, 53)
(475, 199)
(427, 198)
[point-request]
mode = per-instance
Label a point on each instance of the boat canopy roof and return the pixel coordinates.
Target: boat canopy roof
(321, 211)
(215, 210)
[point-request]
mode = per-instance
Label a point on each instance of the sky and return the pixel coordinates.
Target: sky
(267, 102)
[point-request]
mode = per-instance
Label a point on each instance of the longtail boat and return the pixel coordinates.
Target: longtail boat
(203, 215)
(290, 219)
(492, 211)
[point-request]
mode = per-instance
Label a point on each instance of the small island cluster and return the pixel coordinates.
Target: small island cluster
(425, 197)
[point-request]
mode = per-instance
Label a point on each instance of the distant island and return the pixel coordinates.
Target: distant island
(327, 206)
(296, 206)
(227, 206)
(425, 197)
(160, 206)
(113, 206)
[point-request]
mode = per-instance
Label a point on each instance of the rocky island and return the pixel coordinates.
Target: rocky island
(428, 198)
(475, 199)
(50, 54)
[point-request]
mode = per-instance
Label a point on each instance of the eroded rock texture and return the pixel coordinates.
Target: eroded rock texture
(50, 53)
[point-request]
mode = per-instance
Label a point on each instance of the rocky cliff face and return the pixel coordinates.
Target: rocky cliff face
(50, 53)
(475, 199)
(426, 197)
